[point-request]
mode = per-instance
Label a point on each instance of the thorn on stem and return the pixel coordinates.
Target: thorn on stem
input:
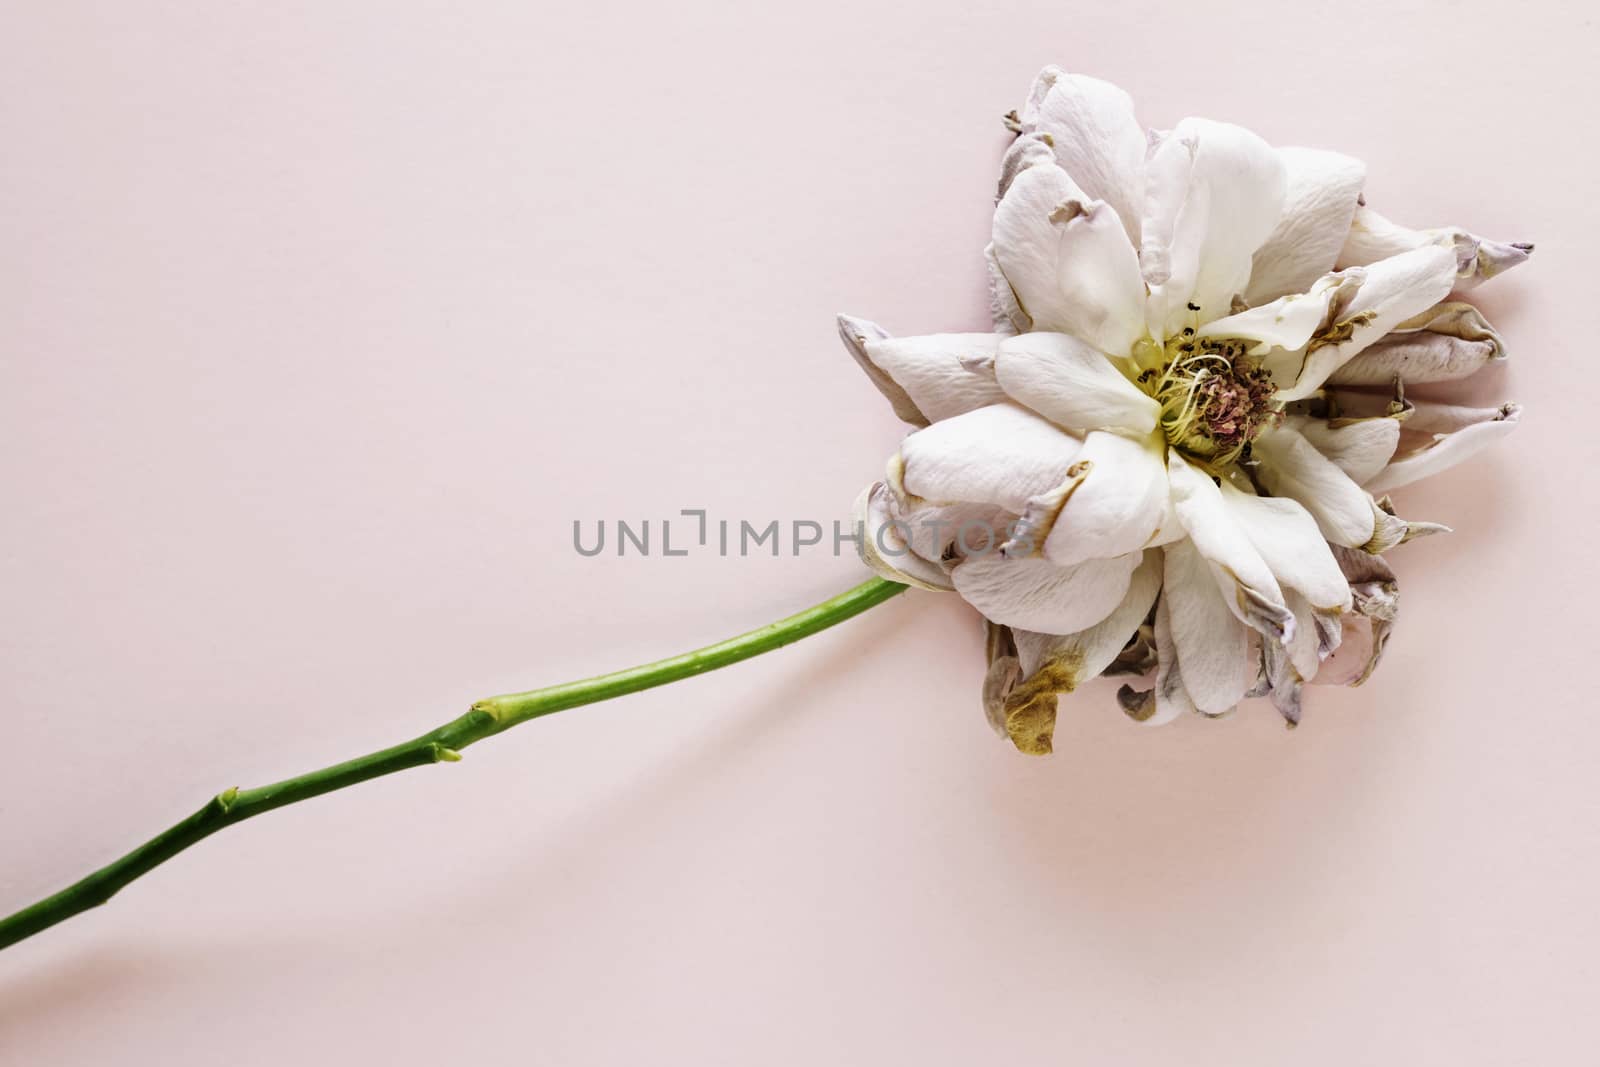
(488, 707)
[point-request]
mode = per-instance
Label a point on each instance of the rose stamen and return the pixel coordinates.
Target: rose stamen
(1214, 398)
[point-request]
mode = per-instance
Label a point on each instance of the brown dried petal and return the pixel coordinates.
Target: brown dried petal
(1003, 674)
(1376, 595)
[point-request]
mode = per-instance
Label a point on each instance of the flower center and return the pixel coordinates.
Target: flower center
(1214, 397)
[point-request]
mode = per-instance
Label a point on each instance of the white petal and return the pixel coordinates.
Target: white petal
(883, 548)
(1169, 699)
(1288, 322)
(1373, 237)
(1213, 194)
(1068, 261)
(1245, 580)
(1360, 447)
(1290, 466)
(1447, 449)
(1213, 646)
(1035, 594)
(1076, 658)
(1120, 504)
(1446, 342)
(942, 374)
(1320, 200)
(1072, 385)
(1171, 528)
(1002, 455)
(1097, 139)
(1384, 295)
(1288, 539)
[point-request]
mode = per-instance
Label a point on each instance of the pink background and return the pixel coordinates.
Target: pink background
(321, 322)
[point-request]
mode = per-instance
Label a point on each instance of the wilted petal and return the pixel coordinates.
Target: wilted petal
(1008, 316)
(1243, 577)
(1428, 417)
(1027, 715)
(883, 547)
(1290, 466)
(942, 374)
(1373, 237)
(1446, 342)
(1376, 595)
(1068, 261)
(1283, 682)
(1213, 194)
(1168, 699)
(1325, 634)
(1002, 455)
(1050, 665)
(1333, 403)
(1138, 656)
(1321, 194)
(1039, 515)
(856, 335)
(1454, 318)
(1389, 529)
(1072, 385)
(1291, 544)
(1002, 676)
(1120, 504)
(1035, 594)
(1349, 664)
(1374, 301)
(1213, 645)
(1028, 150)
(941, 533)
(1288, 668)
(1359, 446)
(1091, 126)
(1475, 429)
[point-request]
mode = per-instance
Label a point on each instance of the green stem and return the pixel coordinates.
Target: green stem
(485, 719)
